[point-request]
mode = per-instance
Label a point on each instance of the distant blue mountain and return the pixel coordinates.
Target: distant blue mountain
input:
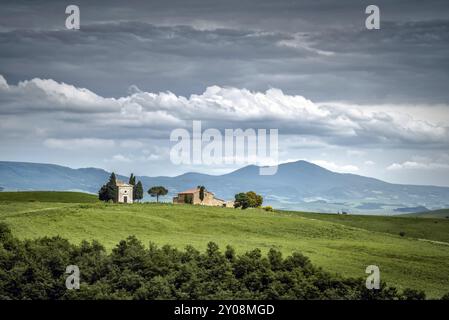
(297, 185)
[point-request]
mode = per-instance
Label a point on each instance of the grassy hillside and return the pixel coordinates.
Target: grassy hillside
(49, 196)
(436, 229)
(335, 245)
(435, 214)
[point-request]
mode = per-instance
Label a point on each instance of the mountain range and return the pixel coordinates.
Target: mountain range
(297, 185)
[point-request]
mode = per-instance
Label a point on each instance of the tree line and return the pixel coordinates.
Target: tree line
(109, 191)
(35, 269)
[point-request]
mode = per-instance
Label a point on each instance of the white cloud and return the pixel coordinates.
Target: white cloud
(300, 41)
(72, 144)
(121, 158)
(369, 163)
(335, 167)
(219, 107)
(131, 144)
(414, 165)
(3, 83)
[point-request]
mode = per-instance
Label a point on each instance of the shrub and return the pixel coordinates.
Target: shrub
(268, 208)
(402, 233)
(411, 294)
(35, 269)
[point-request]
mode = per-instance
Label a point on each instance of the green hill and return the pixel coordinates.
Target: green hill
(412, 226)
(49, 196)
(439, 214)
(339, 245)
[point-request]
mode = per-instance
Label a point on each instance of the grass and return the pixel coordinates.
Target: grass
(435, 229)
(441, 214)
(49, 196)
(344, 245)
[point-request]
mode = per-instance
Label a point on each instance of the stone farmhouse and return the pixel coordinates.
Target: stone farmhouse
(192, 196)
(124, 192)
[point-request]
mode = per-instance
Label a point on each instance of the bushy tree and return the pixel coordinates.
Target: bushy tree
(157, 191)
(248, 200)
(109, 191)
(241, 200)
(254, 199)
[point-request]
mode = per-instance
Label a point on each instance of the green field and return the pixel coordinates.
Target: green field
(412, 226)
(49, 196)
(340, 244)
(442, 214)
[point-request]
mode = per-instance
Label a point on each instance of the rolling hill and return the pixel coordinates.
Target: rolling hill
(340, 244)
(442, 213)
(297, 185)
(48, 196)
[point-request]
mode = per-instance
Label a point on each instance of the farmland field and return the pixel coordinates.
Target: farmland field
(419, 258)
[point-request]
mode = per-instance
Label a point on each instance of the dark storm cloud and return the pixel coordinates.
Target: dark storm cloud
(318, 49)
(311, 69)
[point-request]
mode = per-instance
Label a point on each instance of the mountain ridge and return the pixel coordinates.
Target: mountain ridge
(298, 185)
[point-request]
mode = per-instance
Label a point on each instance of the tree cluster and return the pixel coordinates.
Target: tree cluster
(138, 188)
(35, 269)
(246, 200)
(108, 192)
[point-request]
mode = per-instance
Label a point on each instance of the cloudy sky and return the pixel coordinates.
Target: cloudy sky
(371, 102)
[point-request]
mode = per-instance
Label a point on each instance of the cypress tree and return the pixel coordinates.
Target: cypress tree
(112, 188)
(138, 191)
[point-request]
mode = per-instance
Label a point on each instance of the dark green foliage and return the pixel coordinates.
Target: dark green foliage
(202, 188)
(157, 191)
(249, 199)
(138, 191)
(241, 201)
(138, 188)
(108, 192)
(35, 269)
(411, 294)
(255, 200)
(132, 179)
(188, 199)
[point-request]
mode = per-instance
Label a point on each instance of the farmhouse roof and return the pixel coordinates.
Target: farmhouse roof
(188, 191)
(119, 183)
